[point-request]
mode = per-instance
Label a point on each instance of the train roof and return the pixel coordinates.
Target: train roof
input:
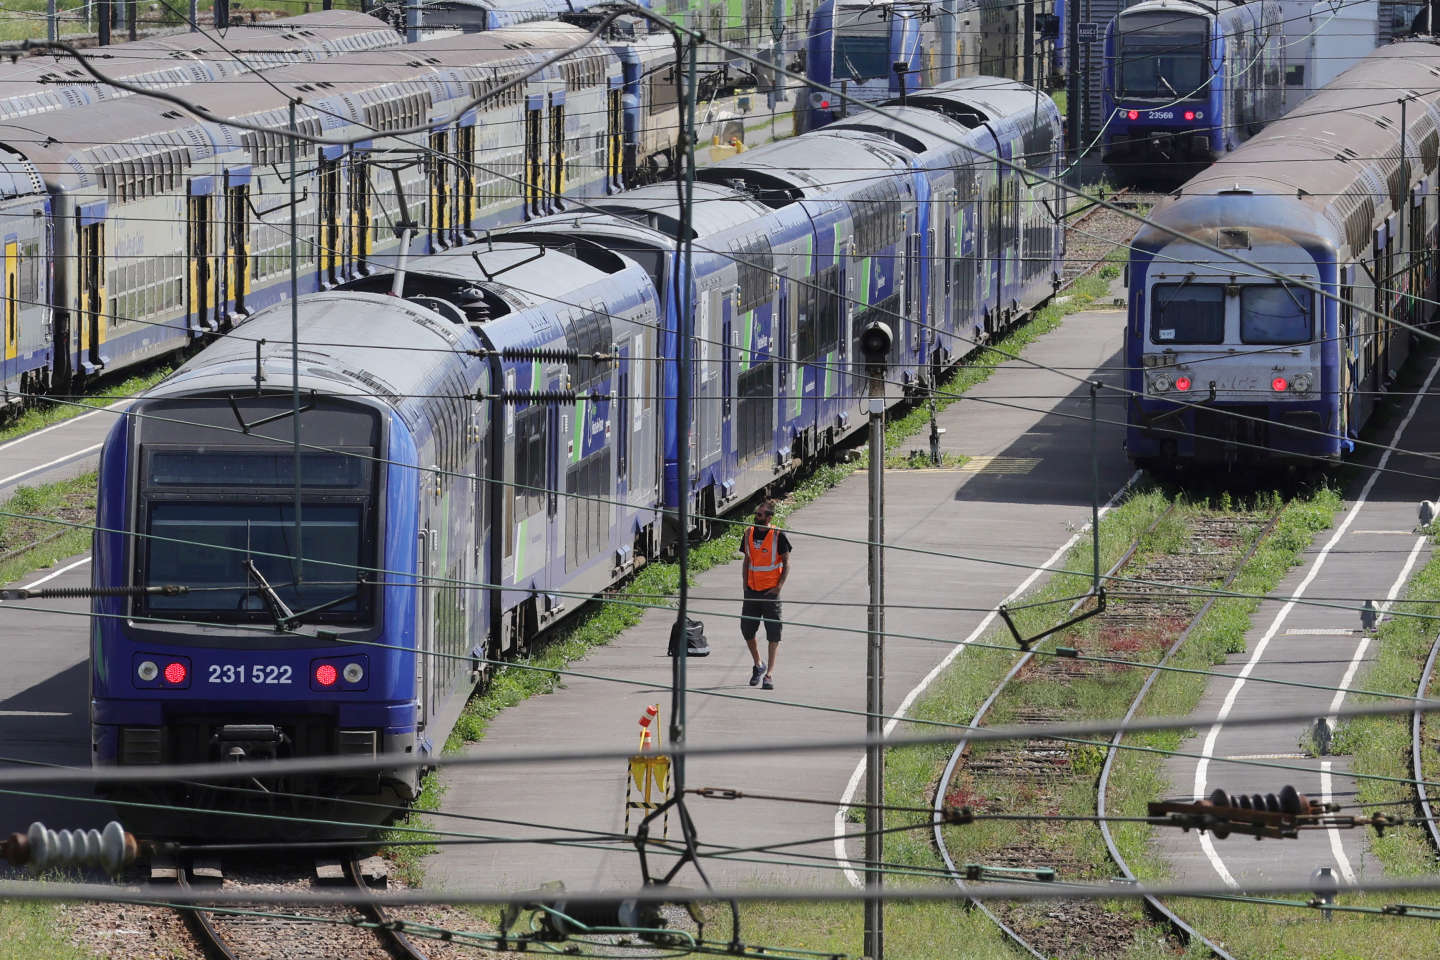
(1336, 156)
(395, 359)
(717, 207)
(44, 83)
(77, 147)
(790, 165)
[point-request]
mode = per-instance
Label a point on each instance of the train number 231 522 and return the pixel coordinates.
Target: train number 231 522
(262, 673)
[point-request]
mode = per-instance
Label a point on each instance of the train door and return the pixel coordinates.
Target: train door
(331, 236)
(198, 225)
(784, 340)
(91, 306)
(706, 389)
(727, 363)
(464, 179)
(237, 241)
(534, 158)
(614, 140)
(557, 151)
(908, 305)
(439, 190)
(360, 216)
(554, 478)
(623, 366)
(425, 571)
(10, 356)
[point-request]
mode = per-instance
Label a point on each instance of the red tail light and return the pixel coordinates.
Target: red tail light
(326, 674)
(1182, 384)
(824, 104)
(175, 672)
(1133, 115)
(1279, 384)
(1189, 114)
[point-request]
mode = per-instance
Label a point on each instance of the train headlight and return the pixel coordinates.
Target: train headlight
(1160, 383)
(1302, 382)
(353, 673)
(147, 671)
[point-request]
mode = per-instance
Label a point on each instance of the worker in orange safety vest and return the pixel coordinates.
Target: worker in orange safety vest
(766, 565)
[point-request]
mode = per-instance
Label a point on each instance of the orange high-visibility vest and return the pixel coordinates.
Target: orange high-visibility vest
(764, 560)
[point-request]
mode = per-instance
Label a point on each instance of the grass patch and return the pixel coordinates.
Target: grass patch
(37, 930)
(44, 413)
(920, 460)
(28, 542)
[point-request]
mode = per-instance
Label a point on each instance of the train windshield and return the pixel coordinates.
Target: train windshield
(1275, 313)
(1162, 56)
(1187, 313)
(862, 44)
(219, 522)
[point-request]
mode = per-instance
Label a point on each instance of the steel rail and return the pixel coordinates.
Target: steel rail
(1417, 750)
(1158, 909)
(962, 747)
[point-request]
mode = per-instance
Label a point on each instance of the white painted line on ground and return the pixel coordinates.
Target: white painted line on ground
(1268, 756)
(63, 423)
(1336, 847)
(33, 713)
(73, 455)
(1203, 764)
(1321, 632)
(1388, 533)
(850, 788)
(1360, 648)
(1344, 687)
(57, 573)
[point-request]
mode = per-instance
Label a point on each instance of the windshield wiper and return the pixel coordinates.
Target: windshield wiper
(285, 618)
(283, 615)
(1171, 299)
(1161, 77)
(1294, 299)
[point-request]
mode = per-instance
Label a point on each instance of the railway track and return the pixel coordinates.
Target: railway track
(362, 933)
(1097, 230)
(1140, 623)
(1417, 749)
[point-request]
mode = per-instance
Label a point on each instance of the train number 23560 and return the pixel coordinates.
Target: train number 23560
(262, 673)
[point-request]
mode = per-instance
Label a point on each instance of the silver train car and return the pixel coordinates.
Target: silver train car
(139, 230)
(1226, 361)
(41, 84)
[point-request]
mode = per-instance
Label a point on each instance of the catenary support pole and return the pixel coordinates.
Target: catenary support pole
(1072, 77)
(52, 24)
(1095, 480)
(295, 341)
(102, 22)
(875, 682)
(1029, 66)
(194, 16)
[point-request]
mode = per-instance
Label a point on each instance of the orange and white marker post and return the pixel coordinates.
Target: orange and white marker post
(649, 773)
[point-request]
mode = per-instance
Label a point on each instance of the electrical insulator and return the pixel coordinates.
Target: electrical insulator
(40, 848)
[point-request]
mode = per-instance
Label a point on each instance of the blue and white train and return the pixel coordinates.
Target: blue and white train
(1227, 361)
(483, 452)
(1186, 80)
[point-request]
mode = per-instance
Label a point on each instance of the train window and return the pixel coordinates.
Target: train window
(1275, 313)
(205, 545)
(805, 322)
(1187, 313)
(862, 49)
(218, 468)
(755, 428)
(1162, 55)
(662, 95)
(530, 461)
(827, 309)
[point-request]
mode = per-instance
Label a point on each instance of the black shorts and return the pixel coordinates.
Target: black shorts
(759, 607)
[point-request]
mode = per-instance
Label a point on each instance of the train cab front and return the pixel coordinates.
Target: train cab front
(1161, 104)
(249, 619)
(852, 49)
(1228, 367)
